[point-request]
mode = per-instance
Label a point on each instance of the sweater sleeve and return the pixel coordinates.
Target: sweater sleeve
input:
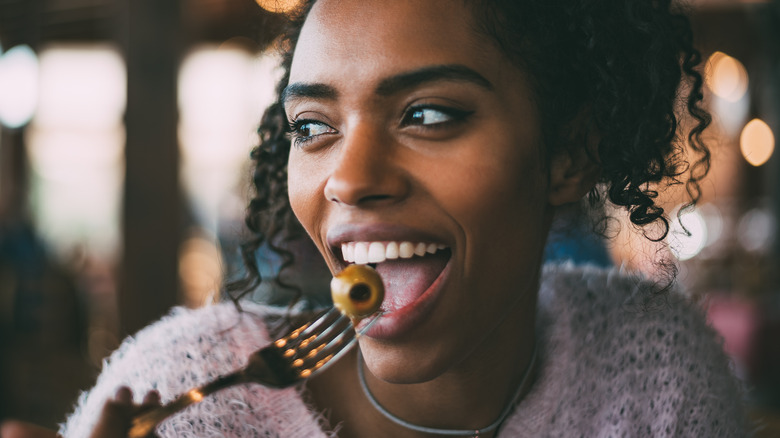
(186, 349)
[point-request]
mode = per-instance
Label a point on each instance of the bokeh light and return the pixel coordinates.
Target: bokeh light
(756, 230)
(76, 147)
(223, 91)
(688, 235)
(18, 86)
(726, 77)
(200, 270)
(278, 6)
(82, 86)
(713, 219)
(757, 142)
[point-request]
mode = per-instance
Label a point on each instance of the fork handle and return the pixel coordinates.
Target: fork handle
(145, 423)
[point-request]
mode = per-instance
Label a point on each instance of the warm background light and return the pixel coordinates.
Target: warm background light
(757, 142)
(278, 6)
(726, 77)
(200, 270)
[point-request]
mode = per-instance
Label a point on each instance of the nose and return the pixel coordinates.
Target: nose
(366, 172)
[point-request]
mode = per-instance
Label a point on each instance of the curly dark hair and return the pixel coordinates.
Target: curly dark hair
(625, 67)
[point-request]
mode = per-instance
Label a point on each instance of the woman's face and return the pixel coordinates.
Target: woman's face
(412, 130)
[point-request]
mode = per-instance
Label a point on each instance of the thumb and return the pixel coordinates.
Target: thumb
(116, 416)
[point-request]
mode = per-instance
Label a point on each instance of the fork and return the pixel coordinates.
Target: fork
(300, 354)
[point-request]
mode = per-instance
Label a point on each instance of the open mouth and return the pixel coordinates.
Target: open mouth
(408, 269)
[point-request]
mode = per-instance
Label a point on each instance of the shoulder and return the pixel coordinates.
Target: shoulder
(603, 304)
(563, 284)
(185, 349)
(636, 360)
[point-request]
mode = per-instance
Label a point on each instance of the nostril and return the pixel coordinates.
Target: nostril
(356, 198)
(374, 198)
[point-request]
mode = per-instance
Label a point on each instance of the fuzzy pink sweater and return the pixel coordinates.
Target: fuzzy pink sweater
(615, 362)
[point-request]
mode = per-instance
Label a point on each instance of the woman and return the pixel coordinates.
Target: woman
(463, 126)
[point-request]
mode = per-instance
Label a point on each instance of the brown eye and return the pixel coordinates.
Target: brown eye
(357, 291)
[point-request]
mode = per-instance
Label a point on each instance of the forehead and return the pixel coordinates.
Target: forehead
(363, 39)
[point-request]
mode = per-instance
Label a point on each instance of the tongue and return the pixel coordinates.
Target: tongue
(406, 280)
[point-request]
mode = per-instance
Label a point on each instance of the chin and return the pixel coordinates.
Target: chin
(399, 365)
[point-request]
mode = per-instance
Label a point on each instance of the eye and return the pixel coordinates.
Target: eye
(428, 116)
(306, 129)
(433, 116)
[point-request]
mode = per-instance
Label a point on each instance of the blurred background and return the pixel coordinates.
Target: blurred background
(125, 132)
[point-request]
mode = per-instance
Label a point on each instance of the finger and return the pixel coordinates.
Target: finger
(116, 416)
(152, 398)
(151, 401)
(124, 395)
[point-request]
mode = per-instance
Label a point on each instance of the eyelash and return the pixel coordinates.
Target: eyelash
(297, 127)
(455, 115)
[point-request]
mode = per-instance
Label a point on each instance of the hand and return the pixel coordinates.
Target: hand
(20, 429)
(117, 415)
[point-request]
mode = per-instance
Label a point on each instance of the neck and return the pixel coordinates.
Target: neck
(488, 431)
(474, 393)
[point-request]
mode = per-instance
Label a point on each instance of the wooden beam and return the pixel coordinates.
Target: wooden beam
(152, 198)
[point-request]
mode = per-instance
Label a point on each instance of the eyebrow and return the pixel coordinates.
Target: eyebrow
(313, 91)
(415, 78)
(393, 84)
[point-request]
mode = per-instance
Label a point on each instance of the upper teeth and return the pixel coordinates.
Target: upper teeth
(377, 252)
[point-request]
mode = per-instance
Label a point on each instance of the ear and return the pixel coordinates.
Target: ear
(572, 174)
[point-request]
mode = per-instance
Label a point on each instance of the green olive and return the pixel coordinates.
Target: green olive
(357, 291)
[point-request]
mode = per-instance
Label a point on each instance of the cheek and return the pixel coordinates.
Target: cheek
(499, 204)
(304, 193)
(503, 188)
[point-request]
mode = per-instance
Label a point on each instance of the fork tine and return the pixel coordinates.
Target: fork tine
(307, 349)
(326, 334)
(321, 331)
(329, 348)
(320, 356)
(317, 341)
(329, 338)
(324, 320)
(294, 337)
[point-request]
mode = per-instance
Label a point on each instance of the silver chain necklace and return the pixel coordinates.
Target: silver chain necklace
(449, 432)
